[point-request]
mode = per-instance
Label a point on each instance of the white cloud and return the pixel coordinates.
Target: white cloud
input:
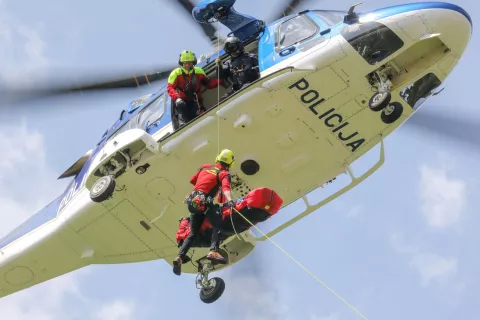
(332, 316)
(26, 185)
(22, 51)
(443, 197)
(117, 310)
(354, 211)
(24, 176)
(430, 266)
(26, 182)
(42, 302)
(250, 290)
(433, 267)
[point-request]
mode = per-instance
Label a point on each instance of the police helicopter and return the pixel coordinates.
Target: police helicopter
(333, 85)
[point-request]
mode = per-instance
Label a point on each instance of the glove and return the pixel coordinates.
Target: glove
(201, 110)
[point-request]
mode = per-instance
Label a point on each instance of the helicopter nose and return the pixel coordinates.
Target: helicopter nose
(452, 24)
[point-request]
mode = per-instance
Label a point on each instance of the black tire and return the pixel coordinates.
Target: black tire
(390, 115)
(379, 101)
(212, 294)
(102, 189)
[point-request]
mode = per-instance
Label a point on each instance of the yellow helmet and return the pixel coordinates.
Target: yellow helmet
(187, 56)
(227, 157)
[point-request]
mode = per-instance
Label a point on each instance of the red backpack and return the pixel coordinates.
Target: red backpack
(260, 198)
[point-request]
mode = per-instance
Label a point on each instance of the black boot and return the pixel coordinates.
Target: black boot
(177, 266)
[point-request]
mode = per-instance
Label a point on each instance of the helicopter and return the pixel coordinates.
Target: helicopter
(333, 85)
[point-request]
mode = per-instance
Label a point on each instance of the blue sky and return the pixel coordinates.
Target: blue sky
(400, 245)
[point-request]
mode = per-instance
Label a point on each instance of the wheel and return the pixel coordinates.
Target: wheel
(102, 189)
(209, 295)
(392, 112)
(379, 101)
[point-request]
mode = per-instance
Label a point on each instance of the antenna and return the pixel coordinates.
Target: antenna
(352, 16)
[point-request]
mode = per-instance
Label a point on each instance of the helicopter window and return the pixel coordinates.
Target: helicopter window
(418, 92)
(123, 128)
(330, 18)
(372, 40)
(294, 31)
(152, 113)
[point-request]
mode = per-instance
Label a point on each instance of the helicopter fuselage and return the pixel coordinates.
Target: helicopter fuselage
(320, 104)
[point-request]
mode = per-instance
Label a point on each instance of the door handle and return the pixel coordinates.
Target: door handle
(286, 52)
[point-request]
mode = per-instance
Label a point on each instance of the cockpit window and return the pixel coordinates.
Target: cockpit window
(151, 113)
(293, 31)
(123, 128)
(372, 40)
(417, 93)
(329, 17)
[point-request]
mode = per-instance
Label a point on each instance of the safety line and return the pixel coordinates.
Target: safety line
(301, 266)
(218, 95)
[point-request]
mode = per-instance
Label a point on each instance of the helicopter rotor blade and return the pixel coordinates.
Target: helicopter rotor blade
(56, 87)
(288, 9)
(462, 130)
(209, 30)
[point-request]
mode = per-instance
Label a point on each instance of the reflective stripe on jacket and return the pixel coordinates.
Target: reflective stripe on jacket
(195, 78)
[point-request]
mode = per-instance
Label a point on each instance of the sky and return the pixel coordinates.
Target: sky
(403, 244)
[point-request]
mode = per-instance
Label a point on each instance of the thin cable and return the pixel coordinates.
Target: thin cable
(218, 96)
(301, 266)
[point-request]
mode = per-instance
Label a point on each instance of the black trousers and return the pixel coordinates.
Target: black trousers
(196, 220)
(187, 111)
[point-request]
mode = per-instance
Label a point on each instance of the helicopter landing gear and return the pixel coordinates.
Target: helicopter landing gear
(103, 188)
(382, 99)
(210, 290)
(392, 112)
(379, 100)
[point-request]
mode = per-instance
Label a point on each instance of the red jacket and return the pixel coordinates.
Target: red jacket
(205, 180)
(183, 230)
(176, 83)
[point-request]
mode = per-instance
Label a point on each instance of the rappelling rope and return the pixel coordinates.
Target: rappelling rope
(301, 266)
(218, 96)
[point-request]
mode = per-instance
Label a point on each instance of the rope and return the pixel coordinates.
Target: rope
(218, 97)
(280, 248)
(301, 266)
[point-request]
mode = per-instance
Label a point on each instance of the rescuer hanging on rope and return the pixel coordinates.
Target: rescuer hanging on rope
(208, 181)
(184, 87)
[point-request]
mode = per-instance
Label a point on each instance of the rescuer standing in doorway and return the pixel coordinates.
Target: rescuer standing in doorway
(184, 87)
(243, 68)
(208, 181)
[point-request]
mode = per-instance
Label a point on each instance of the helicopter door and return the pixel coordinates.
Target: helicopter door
(297, 35)
(149, 118)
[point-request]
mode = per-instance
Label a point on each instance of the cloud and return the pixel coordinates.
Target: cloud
(433, 267)
(430, 266)
(443, 197)
(332, 316)
(117, 310)
(26, 182)
(250, 292)
(42, 302)
(23, 177)
(22, 51)
(26, 186)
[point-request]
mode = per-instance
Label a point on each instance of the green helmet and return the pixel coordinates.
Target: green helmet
(187, 56)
